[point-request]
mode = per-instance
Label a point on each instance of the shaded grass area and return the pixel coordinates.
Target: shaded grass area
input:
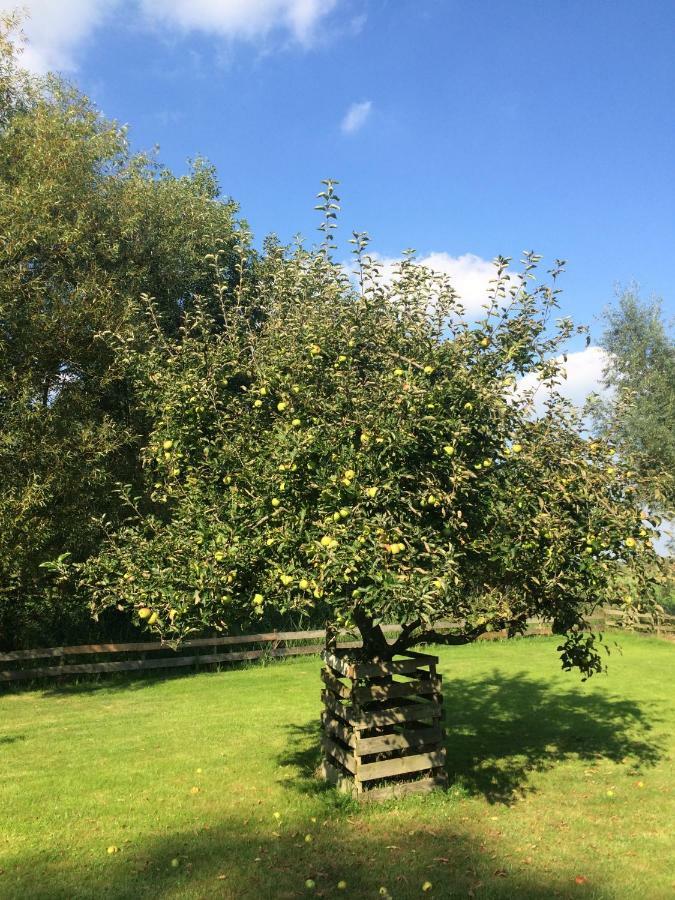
(558, 788)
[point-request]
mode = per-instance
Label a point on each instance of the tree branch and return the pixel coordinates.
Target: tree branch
(448, 638)
(401, 640)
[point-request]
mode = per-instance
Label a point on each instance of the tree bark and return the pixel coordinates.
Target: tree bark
(375, 644)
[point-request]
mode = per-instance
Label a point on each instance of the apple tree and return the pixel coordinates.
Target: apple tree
(356, 451)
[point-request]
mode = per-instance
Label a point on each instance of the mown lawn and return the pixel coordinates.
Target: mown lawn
(559, 788)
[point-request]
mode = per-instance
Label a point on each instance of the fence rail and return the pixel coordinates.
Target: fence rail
(275, 644)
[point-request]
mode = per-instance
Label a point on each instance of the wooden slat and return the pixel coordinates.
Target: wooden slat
(396, 689)
(423, 658)
(145, 646)
(228, 640)
(380, 718)
(346, 713)
(134, 665)
(335, 685)
(402, 765)
(336, 728)
(344, 757)
(403, 789)
(338, 779)
(413, 713)
(405, 740)
(395, 667)
(170, 662)
(336, 662)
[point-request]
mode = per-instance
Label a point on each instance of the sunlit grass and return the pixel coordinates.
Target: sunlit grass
(558, 788)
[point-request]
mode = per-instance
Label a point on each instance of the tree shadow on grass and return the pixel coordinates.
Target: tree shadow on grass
(502, 728)
(264, 858)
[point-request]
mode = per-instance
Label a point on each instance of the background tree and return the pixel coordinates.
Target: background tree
(640, 375)
(357, 455)
(86, 227)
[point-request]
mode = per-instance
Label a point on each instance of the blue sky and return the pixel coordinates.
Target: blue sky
(463, 129)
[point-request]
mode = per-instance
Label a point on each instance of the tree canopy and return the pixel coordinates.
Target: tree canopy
(358, 454)
(640, 376)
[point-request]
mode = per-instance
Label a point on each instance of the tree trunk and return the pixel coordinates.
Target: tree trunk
(375, 645)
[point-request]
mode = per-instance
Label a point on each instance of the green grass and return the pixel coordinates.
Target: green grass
(552, 780)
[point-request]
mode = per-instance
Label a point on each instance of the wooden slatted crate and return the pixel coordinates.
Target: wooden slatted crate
(381, 725)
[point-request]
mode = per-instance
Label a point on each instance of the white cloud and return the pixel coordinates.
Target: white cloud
(584, 370)
(356, 116)
(241, 19)
(56, 29)
(470, 275)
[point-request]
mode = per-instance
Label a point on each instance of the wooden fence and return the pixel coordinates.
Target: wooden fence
(26, 665)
